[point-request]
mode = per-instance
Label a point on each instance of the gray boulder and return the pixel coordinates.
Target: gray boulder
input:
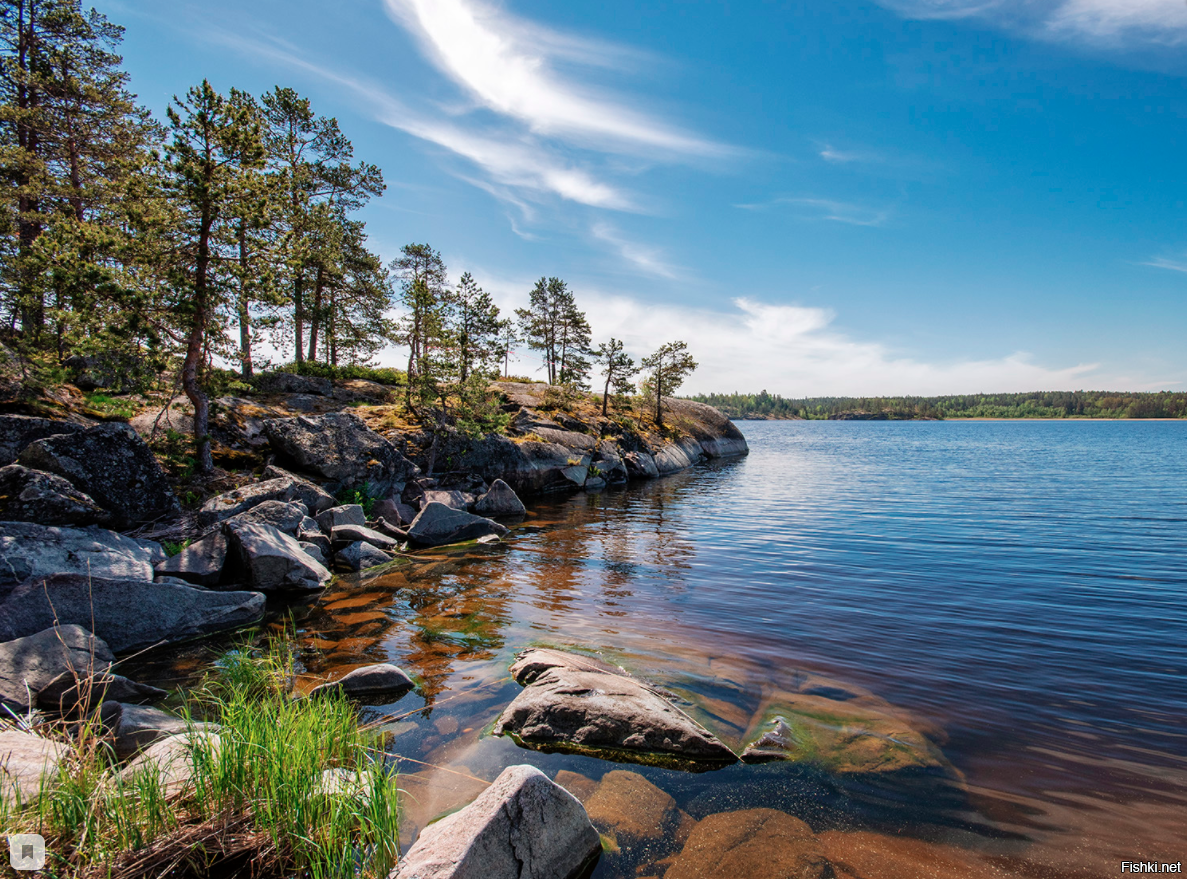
(171, 759)
(640, 465)
(317, 538)
(17, 431)
(290, 383)
(395, 512)
(127, 614)
(32, 496)
(281, 515)
(200, 563)
(344, 534)
(111, 464)
(457, 500)
(347, 514)
(25, 759)
(29, 664)
(438, 525)
(134, 727)
(359, 556)
(274, 561)
(285, 489)
(579, 704)
(310, 494)
(523, 826)
(70, 692)
(315, 552)
(341, 449)
(29, 551)
(500, 500)
(384, 679)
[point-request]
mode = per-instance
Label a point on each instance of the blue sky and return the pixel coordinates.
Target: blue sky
(829, 197)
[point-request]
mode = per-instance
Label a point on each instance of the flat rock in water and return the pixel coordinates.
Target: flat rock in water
(343, 534)
(346, 514)
(499, 500)
(24, 759)
(200, 563)
(282, 515)
(274, 561)
(579, 704)
(341, 449)
(33, 496)
(371, 680)
(17, 431)
(752, 842)
(439, 525)
(71, 692)
(31, 551)
(521, 827)
(628, 807)
(127, 614)
(29, 664)
(111, 464)
(359, 556)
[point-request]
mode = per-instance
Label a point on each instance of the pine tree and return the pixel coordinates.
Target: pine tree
(423, 290)
(477, 327)
(669, 366)
(553, 325)
(618, 367)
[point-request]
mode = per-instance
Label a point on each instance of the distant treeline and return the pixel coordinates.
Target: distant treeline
(1043, 404)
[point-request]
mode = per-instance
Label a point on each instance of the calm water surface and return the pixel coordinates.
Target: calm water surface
(1018, 588)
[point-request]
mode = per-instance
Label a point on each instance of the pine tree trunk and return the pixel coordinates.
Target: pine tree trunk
(331, 327)
(244, 306)
(315, 316)
(606, 392)
(194, 350)
(299, 314)
(28, 228)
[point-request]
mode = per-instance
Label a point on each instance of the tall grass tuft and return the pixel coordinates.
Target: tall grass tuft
(292, 786)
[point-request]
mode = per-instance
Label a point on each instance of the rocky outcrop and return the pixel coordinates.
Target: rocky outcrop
(281, 515)
(274, 561)
(29, 551)
(640, 465)
(291, 383)
(111, 464)
(717, 436)
(439, 525)
(29, 664)
(679, 455)
(284, 489)
(17, 431)
(342, 450)
(126, 614)
(25, 761)
(752, 842)
(501, 501)
(200, 563)
(521, 827)
(384, 679)
(32, 496)
(583, 705)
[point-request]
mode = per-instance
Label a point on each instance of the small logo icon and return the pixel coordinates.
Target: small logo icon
(26, 851)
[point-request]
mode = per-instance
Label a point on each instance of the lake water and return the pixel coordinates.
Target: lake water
(1017, 589)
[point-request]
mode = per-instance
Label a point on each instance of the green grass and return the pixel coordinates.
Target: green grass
(263, 781)
(112, 407)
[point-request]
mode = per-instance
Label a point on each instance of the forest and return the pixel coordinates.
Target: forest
(226, 238)
(1037, 404)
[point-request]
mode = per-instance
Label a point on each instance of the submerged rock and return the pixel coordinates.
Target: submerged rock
(438, 525)
(575, 703)
(274, 561)
(29, 551)
(629, 808)
(340, 448)
(126, 614)
(752, 842)
(29, 664)
(111, 464)
(500, 500)
(25, 759)
(33, 496)
(384, 679)
(521, 827)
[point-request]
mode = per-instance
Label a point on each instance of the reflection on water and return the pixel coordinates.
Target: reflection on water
(1013, 592)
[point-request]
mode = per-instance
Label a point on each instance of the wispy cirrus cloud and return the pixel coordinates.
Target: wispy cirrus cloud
(825, 209)
(646, 259)
(1117, 24)
(1162, 263)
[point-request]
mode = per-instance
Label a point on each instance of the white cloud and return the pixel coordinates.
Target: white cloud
(1106, 23)
(1163, 263)
(648, 260)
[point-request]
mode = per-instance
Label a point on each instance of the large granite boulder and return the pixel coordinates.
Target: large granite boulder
(583, 705)
(33, 496)
(751, 842)
(17, 431)
(274, 561)
(346, 514)
(111, 464)
(717, 436)
(32, 551)
(200, 563)
(359, 556)
(457, 500)
(29, 664)
(71, 693)
(342, 535)
(284, 488)
(500, 500)
(439, 525)
(25, 760)
(281, 515)
(341, 449)
(291, 383)
(521, 827)
(383, 679)
(126, 614)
